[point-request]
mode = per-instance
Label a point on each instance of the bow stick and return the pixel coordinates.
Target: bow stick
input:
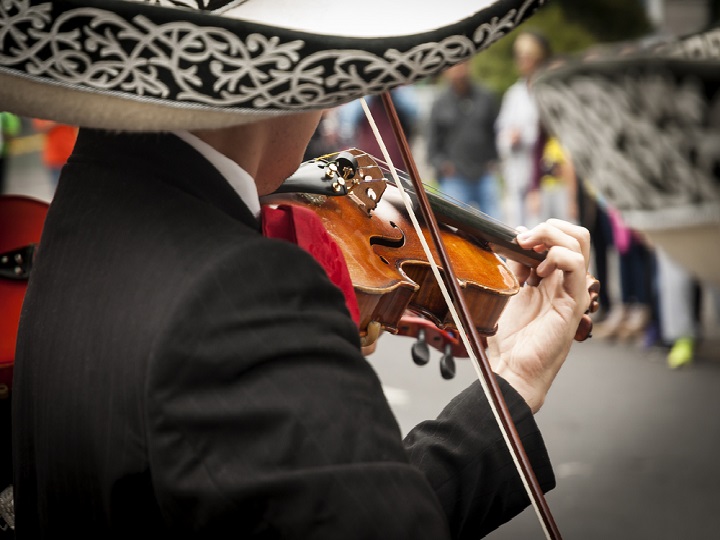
(460, 313)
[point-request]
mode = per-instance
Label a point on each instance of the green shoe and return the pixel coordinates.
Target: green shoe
(681, 353)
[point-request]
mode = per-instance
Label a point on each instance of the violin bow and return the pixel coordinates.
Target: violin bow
(459, 310)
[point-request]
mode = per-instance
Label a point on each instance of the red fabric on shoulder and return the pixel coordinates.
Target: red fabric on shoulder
(304, 228)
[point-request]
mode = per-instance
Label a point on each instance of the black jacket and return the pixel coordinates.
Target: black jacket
(461, 131)
(179, 375)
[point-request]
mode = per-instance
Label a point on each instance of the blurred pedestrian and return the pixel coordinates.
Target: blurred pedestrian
(629, 319)
(678, 306)
(461, 141)
(593, 215)
(518, 127)
(553, 193)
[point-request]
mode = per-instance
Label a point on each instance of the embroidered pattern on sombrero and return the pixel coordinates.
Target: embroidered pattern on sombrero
(217, 6)
(697, 47)
(193, 65)
(651, 146)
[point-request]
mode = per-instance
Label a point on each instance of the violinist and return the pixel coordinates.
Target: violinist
(180, 373)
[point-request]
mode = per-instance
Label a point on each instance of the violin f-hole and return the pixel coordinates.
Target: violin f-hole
(388, 241)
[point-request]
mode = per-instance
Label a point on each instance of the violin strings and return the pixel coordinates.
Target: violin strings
(416, 224)
(456, 319)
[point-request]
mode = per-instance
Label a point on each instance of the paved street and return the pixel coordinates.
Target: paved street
(635, 446)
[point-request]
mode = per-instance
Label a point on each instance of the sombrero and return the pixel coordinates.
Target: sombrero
(195, 64)
(642, 124)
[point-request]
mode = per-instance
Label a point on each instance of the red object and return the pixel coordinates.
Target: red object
(21, 222)
(304, 228)
(411, 325)
(59, 141)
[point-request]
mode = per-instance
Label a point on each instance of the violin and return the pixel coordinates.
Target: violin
(364, 213)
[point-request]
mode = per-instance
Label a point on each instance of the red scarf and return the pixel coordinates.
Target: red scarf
(304, 228)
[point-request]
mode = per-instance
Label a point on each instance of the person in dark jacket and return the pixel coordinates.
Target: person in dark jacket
(181, 373)
(461, 141)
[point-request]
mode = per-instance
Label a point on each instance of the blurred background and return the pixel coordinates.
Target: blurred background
(630, 422)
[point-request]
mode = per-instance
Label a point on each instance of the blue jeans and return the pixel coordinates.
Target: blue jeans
(481, 193)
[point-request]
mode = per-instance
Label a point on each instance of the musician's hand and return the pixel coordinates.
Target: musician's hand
(538, 325)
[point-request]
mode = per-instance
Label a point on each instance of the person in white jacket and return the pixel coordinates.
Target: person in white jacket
(518, 126)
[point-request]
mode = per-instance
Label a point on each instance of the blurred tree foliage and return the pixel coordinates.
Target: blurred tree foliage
(608, 20)
(570, 27)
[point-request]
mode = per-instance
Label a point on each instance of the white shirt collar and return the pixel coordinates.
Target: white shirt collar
(236, 176)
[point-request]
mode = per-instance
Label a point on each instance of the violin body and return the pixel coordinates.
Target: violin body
(388, 266)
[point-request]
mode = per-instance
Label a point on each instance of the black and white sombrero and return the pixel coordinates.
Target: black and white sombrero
(192, 64)
(642, 124)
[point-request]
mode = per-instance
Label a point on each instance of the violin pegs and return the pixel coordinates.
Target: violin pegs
(420, 350)
(447, 363)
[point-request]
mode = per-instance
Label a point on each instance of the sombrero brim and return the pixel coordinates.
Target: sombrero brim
(134, 65)
(642, 125)
(644, 130)
(645, 133)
